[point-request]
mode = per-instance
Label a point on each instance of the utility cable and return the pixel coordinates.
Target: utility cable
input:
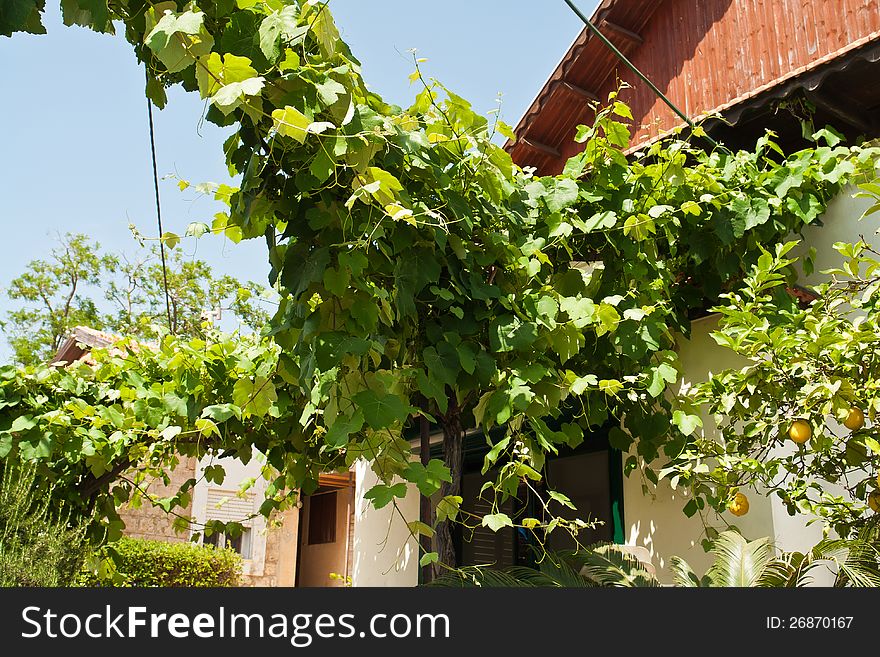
(159, 212)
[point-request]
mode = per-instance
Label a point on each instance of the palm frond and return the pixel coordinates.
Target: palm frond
(857, 562)
(599, 565)
(738, 562)
(562, 572)
(531, 577)
(609, 565)
(788, 570)
(682, 573)
(478, 577)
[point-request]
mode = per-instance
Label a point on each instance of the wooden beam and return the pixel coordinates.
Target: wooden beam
(588, 96)
(629, 35)
(541, 148)
(336, 479)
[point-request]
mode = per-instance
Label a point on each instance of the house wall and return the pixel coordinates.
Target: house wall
(273, 543)
(655, 520)
(152, 523)
(384, 552)
(318, 562)
(279, 566)
(653, 516)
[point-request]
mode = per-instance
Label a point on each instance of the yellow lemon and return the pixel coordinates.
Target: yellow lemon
(874, 501)
(855, 420)
(800, 431)
(739, 505)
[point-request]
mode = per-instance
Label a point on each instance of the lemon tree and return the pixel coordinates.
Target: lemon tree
(800, 421)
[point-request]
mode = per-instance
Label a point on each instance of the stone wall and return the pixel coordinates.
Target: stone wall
(153, 523)
(279, 568)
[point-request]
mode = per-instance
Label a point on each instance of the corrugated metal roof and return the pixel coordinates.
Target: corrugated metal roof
(706, 56)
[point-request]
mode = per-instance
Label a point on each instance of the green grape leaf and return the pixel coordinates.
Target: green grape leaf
(342, 427)
(178, 40)
(497, 521)
(382, 495)
(382, 411)
(215, 72)
(254, 396)
(21, 16)
(94, 14)
(280, 29)
(428, 478)
(292, 123)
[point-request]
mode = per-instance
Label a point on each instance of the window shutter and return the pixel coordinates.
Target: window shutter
(233, 509)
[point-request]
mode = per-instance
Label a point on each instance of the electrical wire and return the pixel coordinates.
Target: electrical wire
(159, 212)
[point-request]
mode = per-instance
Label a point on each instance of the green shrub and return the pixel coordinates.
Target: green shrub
(37, 548)
(143, 563)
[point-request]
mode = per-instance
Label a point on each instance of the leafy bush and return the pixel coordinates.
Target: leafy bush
(143, 563)
(37, 548)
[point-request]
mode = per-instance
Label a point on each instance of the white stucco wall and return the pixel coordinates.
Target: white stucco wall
(655, 520)
(385, 556)
(384, 552)
(841, 223)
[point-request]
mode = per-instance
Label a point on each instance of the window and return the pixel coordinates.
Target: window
(322, 518)
(586, 476)
(585, 479)
(231, 506)
(241, 543)
(482, 546)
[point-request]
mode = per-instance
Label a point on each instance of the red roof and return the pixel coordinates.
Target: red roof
(78, 346)
(705, 55)
(80, 343)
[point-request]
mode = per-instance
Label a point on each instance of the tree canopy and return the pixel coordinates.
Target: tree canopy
(79, 285)
(421, 271)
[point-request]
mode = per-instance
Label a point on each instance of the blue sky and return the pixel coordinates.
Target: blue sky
(75, 142)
